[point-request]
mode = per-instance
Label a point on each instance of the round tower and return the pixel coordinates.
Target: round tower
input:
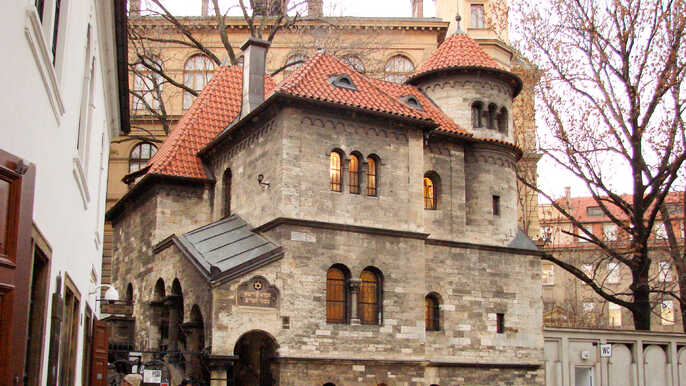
(476, 93)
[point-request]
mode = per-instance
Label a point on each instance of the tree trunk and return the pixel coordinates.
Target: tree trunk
(641, 291)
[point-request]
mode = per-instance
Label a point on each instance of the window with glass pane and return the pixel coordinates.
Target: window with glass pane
(369, 297)
(335, 171)
(398, 68)
(615, 315)
(431, 320)
(371, 177)
(147, 87)
(140, 155)
(477, 15)
(4, 214)
(429, 194)
(665, 271)
(197, 72)
(335, 296)
(613, 273)
(354, 174)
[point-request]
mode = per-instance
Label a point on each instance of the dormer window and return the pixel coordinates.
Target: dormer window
(412, 102)
(342, 81)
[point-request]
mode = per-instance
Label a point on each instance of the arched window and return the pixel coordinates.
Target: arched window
(503, 120)
(371, 176)
(492, 112)
(197, 72)
(140, 155)
(147, 85)
(335, 171)
(431, 312)
(397, 68)
(477, 108)
(370, 295)
(227, 193)
(354, 174)
(298, 59)
(431, 183)
(336, 295)
(353, 61)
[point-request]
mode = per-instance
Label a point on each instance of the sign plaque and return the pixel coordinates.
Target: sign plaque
(257, 292)
(605, 350)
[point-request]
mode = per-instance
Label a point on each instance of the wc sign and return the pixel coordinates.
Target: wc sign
(605, 350)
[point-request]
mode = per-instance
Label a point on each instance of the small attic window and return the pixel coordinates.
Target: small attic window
(411, 101)
(342, 81)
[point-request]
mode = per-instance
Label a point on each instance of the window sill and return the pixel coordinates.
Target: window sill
(80, 177)
(43, 58)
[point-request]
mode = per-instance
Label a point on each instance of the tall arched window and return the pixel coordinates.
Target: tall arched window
(370, 295)
(354, 174)
(336, 295)
(492, 112)
(503, 120)
(353, 61)
(371, 176)
(335, 171)
(197, 72)
(430, 191)
(298, 59)
(140, 155)
(398, 68)
(477, 107)
(431, 313)
(227, 193)
(147, 85)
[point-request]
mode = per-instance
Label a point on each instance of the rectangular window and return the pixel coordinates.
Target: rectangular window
(477, 11)
(660, 231)
(594, 211)
(613, 273)
(588, 270)
(55, 29)
(667, 313)
(665, 271)
(496, 205)
(674, 208)
(615, 314)
(610, 232)
(588, 307)
(547, 274)
(589, 228)
(500, 320)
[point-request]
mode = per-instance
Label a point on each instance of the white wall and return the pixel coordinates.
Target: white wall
(37, 128)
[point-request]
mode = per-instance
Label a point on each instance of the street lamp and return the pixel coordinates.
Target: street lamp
(110, 295)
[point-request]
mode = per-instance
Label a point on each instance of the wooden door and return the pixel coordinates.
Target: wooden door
(98, 371)
(16, 210)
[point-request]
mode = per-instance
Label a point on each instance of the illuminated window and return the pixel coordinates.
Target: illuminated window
(370, 294)
(431, 313)
(477, 11)
(547, 274)
(667, 313)
(371, 176)
(140, 155)
(398, 68)
(431, 191)
(615, 314)
(197, 72)
(354, 174)
(335, 171)
(336, 295)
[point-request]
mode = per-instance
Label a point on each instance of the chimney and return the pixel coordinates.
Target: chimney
(205, 8)
(254, 57)
(315, 8)
(568, 195)
(134, 7)
(417, 8)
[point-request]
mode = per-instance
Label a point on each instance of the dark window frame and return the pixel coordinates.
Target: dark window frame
(432, 312)
(140, 161)
(496, 205)
(343, 284)
(373, 316)
(372, 176)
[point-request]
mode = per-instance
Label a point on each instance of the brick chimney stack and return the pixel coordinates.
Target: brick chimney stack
(255, 56)
(568, 195)
(417, 8)
(315, 8)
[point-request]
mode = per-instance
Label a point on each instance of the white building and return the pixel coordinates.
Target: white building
(61, 76)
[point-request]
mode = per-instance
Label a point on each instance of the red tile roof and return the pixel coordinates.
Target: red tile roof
(213, 110)
(457, 51)
(311, 81)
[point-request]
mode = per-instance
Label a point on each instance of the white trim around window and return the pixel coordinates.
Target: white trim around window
(43, 57)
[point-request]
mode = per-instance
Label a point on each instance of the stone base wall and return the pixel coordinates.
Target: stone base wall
(350, 372)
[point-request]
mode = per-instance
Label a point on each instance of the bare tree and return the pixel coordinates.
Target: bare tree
(613, 105)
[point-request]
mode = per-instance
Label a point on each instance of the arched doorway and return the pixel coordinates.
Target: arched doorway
(256, 351)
